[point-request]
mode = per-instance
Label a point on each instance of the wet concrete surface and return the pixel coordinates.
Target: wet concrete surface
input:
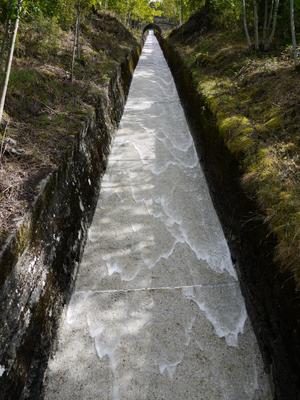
(157, 311)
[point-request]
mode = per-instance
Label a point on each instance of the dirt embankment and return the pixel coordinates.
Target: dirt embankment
(243, 111)
(45, 111)
(38, 264)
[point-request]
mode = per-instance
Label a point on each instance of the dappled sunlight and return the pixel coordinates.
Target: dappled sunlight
(156, 292)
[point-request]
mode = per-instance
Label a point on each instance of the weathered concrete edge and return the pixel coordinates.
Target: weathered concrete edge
(39, 262)
(271, 296)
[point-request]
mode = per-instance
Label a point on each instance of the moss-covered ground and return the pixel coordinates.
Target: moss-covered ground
(44, 110)
(255, 98)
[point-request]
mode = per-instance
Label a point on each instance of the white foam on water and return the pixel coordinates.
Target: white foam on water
(77, 307)
(151, 263)
(108, 349)
(227, 326)
(2, 370)
(109, 331)
(125, 275)
(169, 368)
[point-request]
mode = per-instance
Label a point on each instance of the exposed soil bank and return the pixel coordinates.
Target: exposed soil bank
(45, 111)
(38, 265)
(271, 296)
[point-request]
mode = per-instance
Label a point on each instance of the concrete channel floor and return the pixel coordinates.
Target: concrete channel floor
(157, 311)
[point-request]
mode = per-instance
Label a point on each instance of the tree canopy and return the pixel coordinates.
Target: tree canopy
(263, 20)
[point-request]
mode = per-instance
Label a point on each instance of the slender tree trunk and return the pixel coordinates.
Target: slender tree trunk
(293, 32)
(180, 12)
(4, 42)
(10, 59)
(265, 22)
(246, 24)
(78, 37)
(272, 34)
(256, 33)
(270, 17)
(75, 44)
(128, 20)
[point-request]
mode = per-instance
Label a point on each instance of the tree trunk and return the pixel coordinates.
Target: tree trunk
(256, 33)
(78, 38)
(293, 32)
(246, 24)
(180, 12)
(75, 44)
(272, 34)
(10, 59)
(265, 22)
(270, 17)
(128, 20)
(4, 43)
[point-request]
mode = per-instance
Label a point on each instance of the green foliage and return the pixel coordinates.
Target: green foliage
(129, 10)
(39, 37)
(228, 14)
(8, 8)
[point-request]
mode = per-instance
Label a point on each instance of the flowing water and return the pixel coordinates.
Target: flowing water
(157, 311)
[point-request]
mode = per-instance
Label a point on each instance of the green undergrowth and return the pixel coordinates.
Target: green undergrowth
(44, 111)
(255, 98)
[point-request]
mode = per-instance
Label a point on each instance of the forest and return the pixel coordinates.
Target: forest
(264, 22)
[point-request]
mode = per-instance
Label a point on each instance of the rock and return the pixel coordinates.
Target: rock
(10, 147)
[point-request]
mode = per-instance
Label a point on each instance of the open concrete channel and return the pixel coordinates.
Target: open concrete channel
(157, 311)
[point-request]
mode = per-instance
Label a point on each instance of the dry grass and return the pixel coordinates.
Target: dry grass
(46, 111)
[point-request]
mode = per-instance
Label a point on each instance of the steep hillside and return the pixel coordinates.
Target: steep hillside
(255, 98)
(45, 111)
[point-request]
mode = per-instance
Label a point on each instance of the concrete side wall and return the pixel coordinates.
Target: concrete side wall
(39, 263)
(271, 298)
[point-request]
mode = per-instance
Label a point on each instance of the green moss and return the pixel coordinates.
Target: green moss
(255, 102)
(273, 123)
(23, 80)
(203, 59)
(22, 238)
(235, 123)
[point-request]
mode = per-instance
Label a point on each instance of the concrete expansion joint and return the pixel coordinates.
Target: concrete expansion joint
(158, 288)
(166, 102)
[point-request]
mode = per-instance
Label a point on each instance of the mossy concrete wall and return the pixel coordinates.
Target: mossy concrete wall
(271, 296)
(39, 263)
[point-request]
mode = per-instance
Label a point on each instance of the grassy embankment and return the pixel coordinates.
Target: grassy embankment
(256, 100)
(44, 110)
